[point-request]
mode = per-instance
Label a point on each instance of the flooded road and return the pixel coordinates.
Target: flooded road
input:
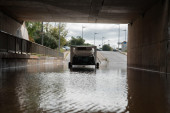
(53, 88)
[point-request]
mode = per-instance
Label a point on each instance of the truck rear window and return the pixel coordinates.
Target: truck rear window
(84, 48)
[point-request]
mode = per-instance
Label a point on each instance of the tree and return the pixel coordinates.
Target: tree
(77, 41)
(87, 44)
(34, 28)
(49, 41)
(106, 47)
(50, 34)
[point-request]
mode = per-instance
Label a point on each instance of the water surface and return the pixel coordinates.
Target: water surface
(53, 88)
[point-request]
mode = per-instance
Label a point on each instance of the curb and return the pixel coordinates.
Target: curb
(123, 53)
(66, 54)
(102, 59)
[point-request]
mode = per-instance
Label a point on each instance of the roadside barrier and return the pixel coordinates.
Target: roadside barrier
(13, 44)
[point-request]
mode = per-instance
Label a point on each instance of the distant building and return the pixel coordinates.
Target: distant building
(124, 46)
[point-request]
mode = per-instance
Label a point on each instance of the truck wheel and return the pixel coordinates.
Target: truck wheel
(97, 65)
(69, 65)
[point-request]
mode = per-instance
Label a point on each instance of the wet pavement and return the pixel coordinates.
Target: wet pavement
(53, 88)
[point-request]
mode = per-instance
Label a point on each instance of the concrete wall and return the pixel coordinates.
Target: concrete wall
(13, 27)
(148, 39)
(12, 60)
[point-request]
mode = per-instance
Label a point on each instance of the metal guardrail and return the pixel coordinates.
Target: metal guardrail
(13, 44)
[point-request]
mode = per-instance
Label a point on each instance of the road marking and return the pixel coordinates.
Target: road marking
(154, 71)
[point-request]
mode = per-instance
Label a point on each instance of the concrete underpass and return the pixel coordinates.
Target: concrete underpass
(148, 23)
(141, 86)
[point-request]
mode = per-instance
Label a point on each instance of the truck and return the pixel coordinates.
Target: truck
(83, 55)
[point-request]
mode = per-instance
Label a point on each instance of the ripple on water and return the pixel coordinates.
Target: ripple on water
(78, 90)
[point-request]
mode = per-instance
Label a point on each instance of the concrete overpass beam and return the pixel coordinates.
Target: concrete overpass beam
(12, 26)
(148, 44)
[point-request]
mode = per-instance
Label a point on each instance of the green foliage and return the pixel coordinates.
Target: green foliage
(34, 28)
(87, 44)
(77, 41)
(50, 34)
(106, 47)
(48, 41)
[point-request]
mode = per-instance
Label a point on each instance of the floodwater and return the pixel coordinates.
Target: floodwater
(53, 88)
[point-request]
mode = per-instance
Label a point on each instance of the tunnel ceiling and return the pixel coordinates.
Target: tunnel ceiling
(88, 11)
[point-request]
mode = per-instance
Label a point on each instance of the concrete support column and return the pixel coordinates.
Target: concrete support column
(167, 35)
(149, 38)
(11, 26)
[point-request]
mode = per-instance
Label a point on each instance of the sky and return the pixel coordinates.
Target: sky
(108, 31)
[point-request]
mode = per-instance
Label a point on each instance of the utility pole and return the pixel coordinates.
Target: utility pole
(125, 33)
(102, 41)
(118, 41)
(59, 39)
(42, 36)
(82, 30)
(119, 37)
(55, 25)
(94, 37)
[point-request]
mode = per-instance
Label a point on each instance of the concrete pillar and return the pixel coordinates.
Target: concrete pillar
(12, 26)
(167, 36)
(149, 38)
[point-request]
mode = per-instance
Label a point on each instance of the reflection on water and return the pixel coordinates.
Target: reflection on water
(57, 89)
(148, 92)
(87, 70)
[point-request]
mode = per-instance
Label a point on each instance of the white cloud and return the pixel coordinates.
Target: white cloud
(109, 31)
